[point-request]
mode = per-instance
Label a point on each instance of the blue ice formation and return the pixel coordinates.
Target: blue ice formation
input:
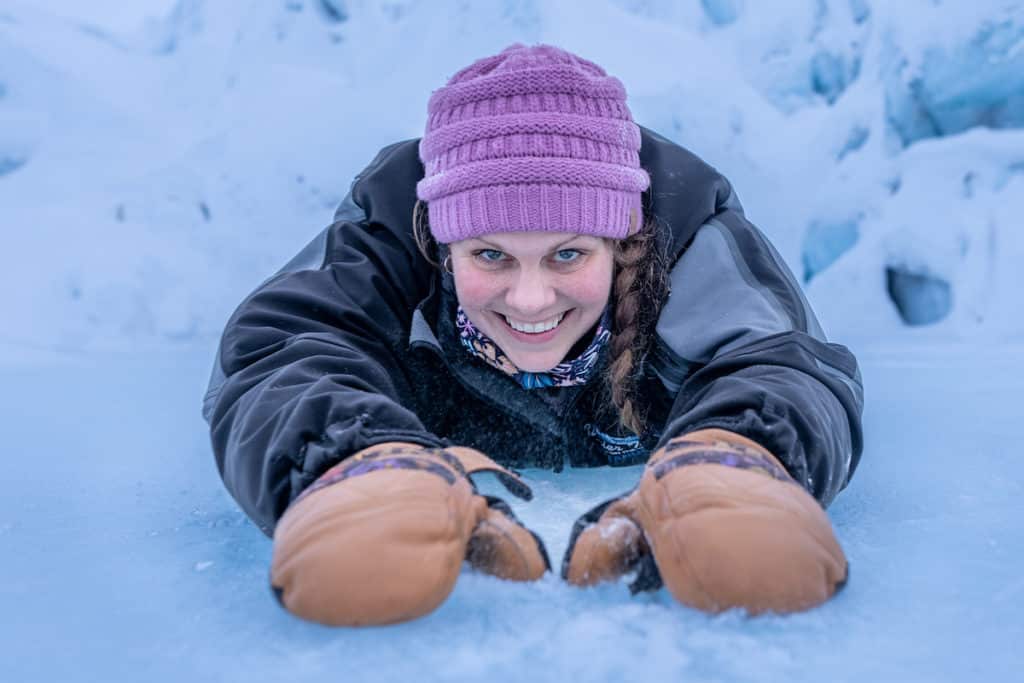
(721, 12)
(980, 83)
(334, 10)
(860, 11)
(11, 163)
(855, 139)
(825, 242)
(832, 74)
(920, 298)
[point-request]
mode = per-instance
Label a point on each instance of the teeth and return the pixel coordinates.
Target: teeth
(534, 328)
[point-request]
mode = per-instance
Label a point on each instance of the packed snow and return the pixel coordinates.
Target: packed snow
(160, 158)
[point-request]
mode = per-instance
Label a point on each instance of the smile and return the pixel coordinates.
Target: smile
(534, 328)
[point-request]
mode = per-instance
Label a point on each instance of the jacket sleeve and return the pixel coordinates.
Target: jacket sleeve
(308, 369)
(740, 348)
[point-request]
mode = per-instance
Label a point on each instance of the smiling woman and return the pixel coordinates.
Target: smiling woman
(534, 295)
(496, 295)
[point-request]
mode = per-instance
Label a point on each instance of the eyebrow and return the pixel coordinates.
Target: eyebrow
(558, 246)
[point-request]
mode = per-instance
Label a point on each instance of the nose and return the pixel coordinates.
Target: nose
(530, 294)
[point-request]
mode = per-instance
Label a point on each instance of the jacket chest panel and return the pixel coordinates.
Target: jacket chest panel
(477, 407)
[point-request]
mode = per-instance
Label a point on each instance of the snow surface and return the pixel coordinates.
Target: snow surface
(159, 158)
(124, 559)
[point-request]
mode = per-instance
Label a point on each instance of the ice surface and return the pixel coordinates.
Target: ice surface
(124, 559)
(158, 159)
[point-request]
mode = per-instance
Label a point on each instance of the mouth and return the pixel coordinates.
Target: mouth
(534, 328)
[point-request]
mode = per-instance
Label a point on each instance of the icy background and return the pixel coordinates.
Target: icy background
(159, 158)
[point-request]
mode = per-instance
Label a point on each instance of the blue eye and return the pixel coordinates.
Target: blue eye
(490, 255)
(567, 255)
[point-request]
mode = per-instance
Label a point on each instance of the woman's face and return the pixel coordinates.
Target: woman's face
(535, 294)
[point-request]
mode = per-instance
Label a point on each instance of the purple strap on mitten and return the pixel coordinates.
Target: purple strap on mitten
(740, 457)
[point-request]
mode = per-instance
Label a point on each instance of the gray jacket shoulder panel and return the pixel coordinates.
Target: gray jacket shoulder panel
(716, 304)
(729, 289)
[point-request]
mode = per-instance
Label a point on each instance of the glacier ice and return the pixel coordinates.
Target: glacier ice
(832, 73)
(855, 139)
(824, 242)
(334, 10)
(954, 88)
(721, 12)
(10, 163)
(860, 11)
(920, 298)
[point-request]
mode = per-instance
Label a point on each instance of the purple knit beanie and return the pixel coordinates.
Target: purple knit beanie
(533, 139)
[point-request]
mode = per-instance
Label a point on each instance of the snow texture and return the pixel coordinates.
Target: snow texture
(124, 559)
(160, 158)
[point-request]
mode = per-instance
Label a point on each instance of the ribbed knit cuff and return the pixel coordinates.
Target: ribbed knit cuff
(534, 208)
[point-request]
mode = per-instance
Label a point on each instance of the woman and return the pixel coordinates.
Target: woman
(496, 295)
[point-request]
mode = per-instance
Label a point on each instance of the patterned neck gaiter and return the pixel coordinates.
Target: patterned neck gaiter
(565, 374)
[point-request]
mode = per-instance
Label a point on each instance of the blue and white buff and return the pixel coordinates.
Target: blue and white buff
(565, 374)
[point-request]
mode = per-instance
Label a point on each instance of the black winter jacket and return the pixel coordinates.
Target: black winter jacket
(353, 343)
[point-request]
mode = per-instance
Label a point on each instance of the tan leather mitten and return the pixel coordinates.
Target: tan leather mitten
(719, 522)
(381, 537)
